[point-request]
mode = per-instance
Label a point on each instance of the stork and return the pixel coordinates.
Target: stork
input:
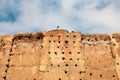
(58, 27)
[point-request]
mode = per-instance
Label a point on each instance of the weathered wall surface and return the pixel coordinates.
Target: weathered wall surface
(60, 55)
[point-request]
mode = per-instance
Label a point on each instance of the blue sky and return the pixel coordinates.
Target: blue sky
(87, 16)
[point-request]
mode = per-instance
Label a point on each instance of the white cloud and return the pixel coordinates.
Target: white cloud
(108, 17)
(34, 17)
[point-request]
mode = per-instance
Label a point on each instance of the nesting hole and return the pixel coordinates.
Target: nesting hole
(58, 36)
(62, 52)
(41, 46)
(70, 52)
(55, 53)
(96, 39)
(66, 42)
(100, 75)
(113, 76)
(70, 58)
(117, 63)
(51, 64)
(59, 79)
(4, 78)
(89, 44)
(19, 37)
(80, 72)
(3, 45)
(7, 65)
(11, 54)
(63, 58)
(10, 50)
(90, 74)
(8, 60)
(49, 52)
(49, 41)
(66, 65)
(73, 41)
(67, 36)
(58, 41)
(88, 39)
(105, 40)
(1, 39)
(5, 71)
(74, 36)
(78, 52)
(76, 65)
(82, 38)
(58, 65)
(114, 44)
(65, 72)
(38, 37)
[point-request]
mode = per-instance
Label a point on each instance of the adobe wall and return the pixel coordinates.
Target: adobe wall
(60, 55)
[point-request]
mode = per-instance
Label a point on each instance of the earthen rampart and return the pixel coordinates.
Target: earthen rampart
(60, 55)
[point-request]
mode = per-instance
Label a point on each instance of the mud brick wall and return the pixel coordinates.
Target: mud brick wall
(60, 55)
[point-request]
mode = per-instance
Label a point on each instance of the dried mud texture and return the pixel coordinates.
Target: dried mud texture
(60, 55)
